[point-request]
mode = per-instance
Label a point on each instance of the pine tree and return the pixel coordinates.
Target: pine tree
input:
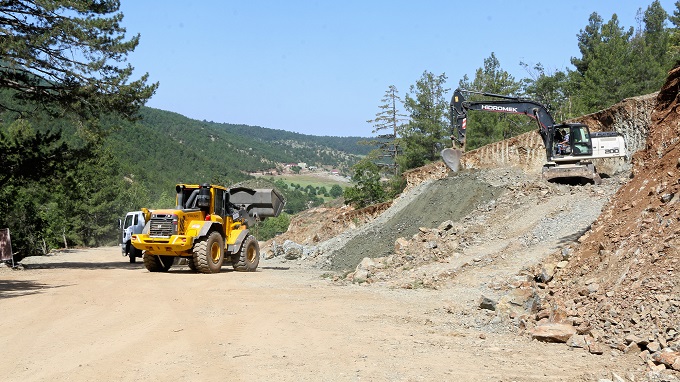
(423, 136)
(62, 75)
(651, 56)
(608, 72)
(389, 121)
(588, 39)
(485, 128)
(66, 55)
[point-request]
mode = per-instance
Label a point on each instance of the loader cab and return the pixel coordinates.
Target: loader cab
(221, 205)
(572, 140)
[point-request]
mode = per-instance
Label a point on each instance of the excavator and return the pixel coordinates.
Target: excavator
(570, 147)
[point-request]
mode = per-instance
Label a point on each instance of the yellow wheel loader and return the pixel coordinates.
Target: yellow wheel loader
(208, 225)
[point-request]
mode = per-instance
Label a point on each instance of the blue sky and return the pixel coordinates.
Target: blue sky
(321, 67)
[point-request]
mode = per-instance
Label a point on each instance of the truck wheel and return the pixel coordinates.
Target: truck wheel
(132, 253)
(155, 263)
(247, 259)
(209, 253)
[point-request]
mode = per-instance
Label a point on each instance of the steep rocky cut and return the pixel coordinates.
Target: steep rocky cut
(632, 251)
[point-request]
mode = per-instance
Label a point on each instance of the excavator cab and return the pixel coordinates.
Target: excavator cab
(581, 142)
(571, 140)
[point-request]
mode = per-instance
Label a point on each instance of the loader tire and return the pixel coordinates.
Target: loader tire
(155, 263)
(248, 258)
(209, 253)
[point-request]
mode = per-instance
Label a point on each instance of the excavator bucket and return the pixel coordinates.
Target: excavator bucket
(451, 157)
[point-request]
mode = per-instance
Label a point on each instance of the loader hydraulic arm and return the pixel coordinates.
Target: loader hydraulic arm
(503, 104)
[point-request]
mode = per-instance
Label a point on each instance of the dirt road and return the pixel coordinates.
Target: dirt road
(90, 315)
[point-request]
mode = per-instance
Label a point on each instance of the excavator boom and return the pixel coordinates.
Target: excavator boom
(504, 104)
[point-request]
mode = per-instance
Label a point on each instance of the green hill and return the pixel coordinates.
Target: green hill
(164, 148)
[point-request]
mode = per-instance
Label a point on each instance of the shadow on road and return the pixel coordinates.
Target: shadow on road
(276, 268)
(573, 237)
(84, 265)
(18, 288)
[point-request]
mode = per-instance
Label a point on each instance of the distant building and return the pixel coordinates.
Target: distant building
(302, 165)
(335, 171)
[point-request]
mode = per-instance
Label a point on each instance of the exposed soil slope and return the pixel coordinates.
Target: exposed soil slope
(632, 251)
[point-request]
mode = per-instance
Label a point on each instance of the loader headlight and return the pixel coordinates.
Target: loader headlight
(175, 220)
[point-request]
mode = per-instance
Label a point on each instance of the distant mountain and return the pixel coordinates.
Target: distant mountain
(164, 148)
(347, 145)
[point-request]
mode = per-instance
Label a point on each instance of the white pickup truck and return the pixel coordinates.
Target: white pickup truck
(132, 224)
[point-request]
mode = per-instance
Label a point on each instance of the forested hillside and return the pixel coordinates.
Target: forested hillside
(164, 148)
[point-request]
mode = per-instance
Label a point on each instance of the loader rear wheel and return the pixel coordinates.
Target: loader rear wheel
(209, 253)
(155, 263)
(248, 258)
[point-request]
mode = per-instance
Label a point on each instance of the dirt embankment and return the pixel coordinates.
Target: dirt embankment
(630, 257)
(445, 199)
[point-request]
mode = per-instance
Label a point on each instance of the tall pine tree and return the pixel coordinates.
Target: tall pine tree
(423, 136)
(485, 128)
(386, 124)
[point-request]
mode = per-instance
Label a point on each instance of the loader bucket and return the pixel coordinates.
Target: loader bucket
(262, 202)
(451, 157)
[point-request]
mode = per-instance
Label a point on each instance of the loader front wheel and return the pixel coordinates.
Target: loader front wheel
(209, 253)
(155, 263)
(248, 258)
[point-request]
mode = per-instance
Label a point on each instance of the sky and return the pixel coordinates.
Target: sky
(322, 67)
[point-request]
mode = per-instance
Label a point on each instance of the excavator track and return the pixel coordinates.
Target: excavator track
(578, 172)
